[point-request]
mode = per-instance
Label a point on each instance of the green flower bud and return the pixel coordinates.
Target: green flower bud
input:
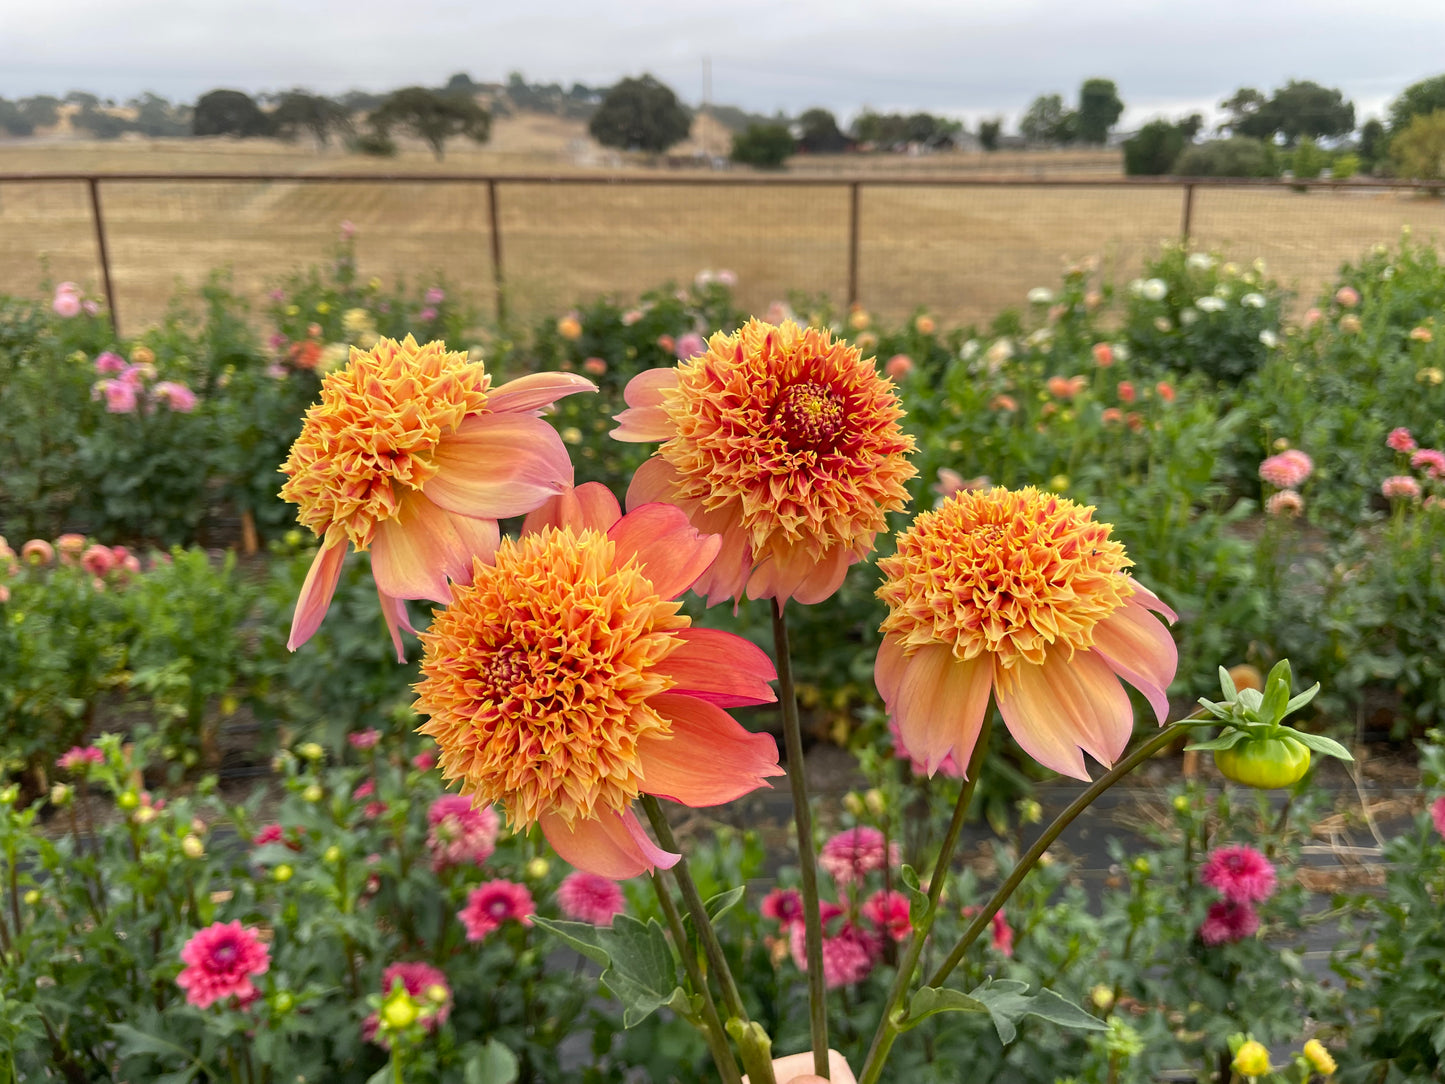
(282, 873)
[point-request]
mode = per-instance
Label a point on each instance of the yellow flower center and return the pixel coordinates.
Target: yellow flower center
(1014, 574)
(536, 677)
(810, 415)
(371, 437)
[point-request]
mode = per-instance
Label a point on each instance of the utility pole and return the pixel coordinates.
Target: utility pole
(706, 101)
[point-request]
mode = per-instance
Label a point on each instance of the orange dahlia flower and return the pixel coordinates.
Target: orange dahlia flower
(783, 442)
(412, 454)
(1022, 595)
(563, 682)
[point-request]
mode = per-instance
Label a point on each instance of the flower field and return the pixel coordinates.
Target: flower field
(348, 644)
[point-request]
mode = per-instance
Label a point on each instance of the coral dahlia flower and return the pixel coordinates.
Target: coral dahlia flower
(412, 454)
(220, 961)
(562, 682)
(1018, 594)
(783, 442)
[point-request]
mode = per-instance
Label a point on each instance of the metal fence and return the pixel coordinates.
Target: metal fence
(961, 247)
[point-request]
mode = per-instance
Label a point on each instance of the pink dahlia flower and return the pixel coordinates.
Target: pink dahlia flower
(1400, 440)
(37, 552)
(1437, 814)
(495, 902)
(120, 397)
(423, 983)
(1400, 487)
(888, 911)
(176, 396)
(855, 852)
(220, 962)
(459, 833)
(66, 302)
(1288, 470)
(785, 905)
(364, 739)
(898, 366)
(109, 362)
(1287, 502)
(590, 897)
(79, 759)
(1429, 460)
(97, 560)
(690, 346)
(1228, 922)
(1003, 935)
(1240, 874)
(848, 955)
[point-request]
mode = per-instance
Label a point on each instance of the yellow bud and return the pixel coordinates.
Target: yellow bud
(61, 793)
(313, 793)
(331, 855)
(853, 803)
(282, 873)
(229, 704)
(873, 799)
(1059, 483)
(537, 868)
(1030, 812)
(128, 799)
(310, 750)
(1102, 996)
(192, 847)
(323, 307)
(292, 537)
(292, 310)
(400, 1011)
(1252, 1059)
(1141, 866)
(374, 283)
(1181, 804)
(436, 992)
(1319, 1058)
(32, 897)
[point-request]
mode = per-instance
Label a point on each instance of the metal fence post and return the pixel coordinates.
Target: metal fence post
(496, 224)
(1187, 216)
(853, 187)
(99, 219)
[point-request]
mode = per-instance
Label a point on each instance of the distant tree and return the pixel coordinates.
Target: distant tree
(82, 98)
(1154, 148)
(819, 133)
(13, 119)
(1191, 126)
(1238, 156)
(640, 114)
(1374, 143)
(99, 123)
(154, 116)
(1047, 121)
(1294, 110)
(1418, 99)
(41, 110)
(360, 101)
(460, 84)
(1308, 161)
(300, 111)
(988, 133)
(229, 112)
(1419, 151)
(1099, 108)
(766, 146)
(1241, 107)
(432, 117)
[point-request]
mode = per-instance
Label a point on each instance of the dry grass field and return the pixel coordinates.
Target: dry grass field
(963, 253)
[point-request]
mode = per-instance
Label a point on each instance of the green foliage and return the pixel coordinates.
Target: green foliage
(1345, 166)
(1238, 156)
(766, 146)
(1153, 149)
(988, 133)
(1419, 150)
(1417, 100)
(640, 114)
(898, 129)
(1048, 121)
(229, 112)
(431, 117)
(299, 111)
(1099, 108)
(1308, 161)
(1374, 143)
(820, 133)
(1299, 108)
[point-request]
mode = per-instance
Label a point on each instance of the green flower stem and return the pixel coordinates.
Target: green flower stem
(1031, 857)
(712, 1029)
(885, 1035)
(807, 861)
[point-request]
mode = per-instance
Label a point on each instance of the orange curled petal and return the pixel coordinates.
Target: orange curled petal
(708, 759)
(589, 505)
(611, 845)
(672, 554)
(316, 592)
(1061, 707)
(498, 465)
(646, 420)
(1138, 648)
(655, 480)
(937, 700)
(536, 391)
(720, 668)
(797, 574)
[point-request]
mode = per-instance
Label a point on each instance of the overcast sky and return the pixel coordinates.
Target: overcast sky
(966, 58)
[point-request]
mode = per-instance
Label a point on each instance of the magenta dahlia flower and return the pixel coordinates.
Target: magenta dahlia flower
(220, 962)
(1228, 921)
(1240, 874)
(495, 902)
(590, 897)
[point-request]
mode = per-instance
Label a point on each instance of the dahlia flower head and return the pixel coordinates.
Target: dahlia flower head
(562, 682)
(1437, 814)
(422, 982)
(1227, 922)
(854, 853)
(1287, 470)
(412, 454)
(1241, 874)
(1020, 596)
(586, 897)
(220, 962)
(459, 833)
(849, 950)
(493, 903)
(782, 442)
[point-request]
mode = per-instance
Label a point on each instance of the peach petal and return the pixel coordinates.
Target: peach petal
(646, 420)
(655, 480)
(937, 700)
(670, 551)
(720, 668)
(414, 551)
(1150, 601)
(825, 577)
(1062, 708)
(589, 505)
(498, 465)
(536, 392)
(1138, 648)
(316, 592)
(609, 844)
(393, 610)
(478, 540)
(729, 572)
(709, 758)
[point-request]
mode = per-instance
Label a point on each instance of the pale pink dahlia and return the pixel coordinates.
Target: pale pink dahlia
(855, 852)
(1429, 460)
(589, 897)
(1287, 502)
(364, 739)
(459, 833)
(495, 902)
(1400, 487)
(220, 961)
(1287, 470)
(1227, 922)
(1400, 440)
(1240, 874)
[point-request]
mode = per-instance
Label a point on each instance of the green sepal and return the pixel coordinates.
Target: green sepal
(917, 898)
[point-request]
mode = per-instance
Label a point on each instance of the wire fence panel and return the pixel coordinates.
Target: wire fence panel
(46, 232)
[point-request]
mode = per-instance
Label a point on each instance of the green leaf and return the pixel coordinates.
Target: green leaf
(641, 973)
(580, 935)
(1007, 1002)
(1228, 740)
(933, 999)
(1226, 686)
(493, 1064)
(1276, 692)
(1318, 742)
(917, 898)
(134, 1043)
(1304, 698)
(723, 902)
